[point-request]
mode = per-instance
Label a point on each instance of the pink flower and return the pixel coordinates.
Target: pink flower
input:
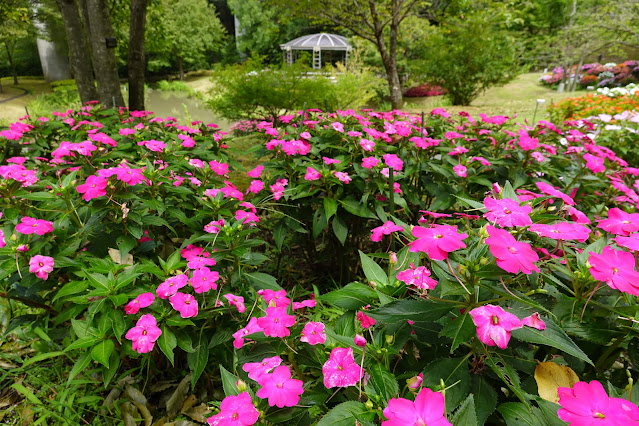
(526, 143)
(237, 301)
(309, 303)
(247, 217)
(255, 186)
(41, 266)
(619, 222)
(239, 335)
(29, 225)
(312, 174)
(235, 411)
(386, 229)
(279, 388)
(369, 162)
(616, 268)
(458, 150)
(275, 298)
(219, 168)
(561, 231)
(534, 321)
(394, 162)
(338, 127)
(550, 190)
(256, 370)
(330, 160)
(93, 187)
(256, 172)
(313, 333)
(428, 409)
(203, 280)
(365, 320)
(630, 242)
(494, 325)
(595, 164)
(437, 241)
(419, 277)
(359, 341)
(142, 301)
(587, 404)
(144, 334)
(578, 216)
(507, 213)
(185, 304)
(153, 145)
(367, 145)
(512, 255)
(3, 243)
(460, 170)
(343, 177)
(341, 370)
(171, 285)
(276, 322)
(214, 226)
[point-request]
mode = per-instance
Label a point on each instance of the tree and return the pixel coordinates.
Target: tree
(136, 61)
(15, 23)
(184, 31)
(376, 21)
(467, 55)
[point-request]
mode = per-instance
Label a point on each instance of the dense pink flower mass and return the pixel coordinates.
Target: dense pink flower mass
(587, 404)
(437, 241)
(494, 325)
(144, 334)
(631, 242)
(41, 266)
(512, 255)
(507, 213)
(276, 322)
(29, 225)
(427, 410)
(279, 388)
(619, 222)
(313, 333)
(561, 231)
(616, 268)
(94, 187)
(142, 301)
(341, 370)
(235, 411)
(386, 229)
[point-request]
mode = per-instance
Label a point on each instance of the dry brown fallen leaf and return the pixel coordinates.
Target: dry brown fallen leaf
(550, 376)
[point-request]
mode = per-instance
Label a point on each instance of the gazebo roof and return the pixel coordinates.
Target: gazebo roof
(321, 41)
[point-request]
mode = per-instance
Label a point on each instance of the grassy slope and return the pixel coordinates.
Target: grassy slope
(518, 97)
(14, 109)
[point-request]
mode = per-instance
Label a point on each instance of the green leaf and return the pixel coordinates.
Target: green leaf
(454, 373)
(340, 229)
(279, 233)
(461, 330)
(70, 288)
(345, 414)
(26, 393)
(108, 373)
(260, 280)
(516, 414)
(38, 196)
(197, 362)
(356, 208)
(471, 203)
(414, 310)
(382, 383)
(509, 192)
(102, 351)
(167, 342)
(98, 281)
(125, 243)
(485, 398)
(330, 207)
(551, 336)
(352, 296)
(465, 415)
(84, 342)
(228, 382)
(41, 357)
(320, 221)
(372, 270)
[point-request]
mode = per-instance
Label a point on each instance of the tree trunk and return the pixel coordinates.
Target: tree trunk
(79, 57)
(103, 57)
(573, 85)
(389, 57)
(181, 67)
(136, 63)
(14, 73)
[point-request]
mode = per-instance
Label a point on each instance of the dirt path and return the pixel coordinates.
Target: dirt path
(26, 92)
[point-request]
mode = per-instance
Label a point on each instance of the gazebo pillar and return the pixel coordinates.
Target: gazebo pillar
(317, 58)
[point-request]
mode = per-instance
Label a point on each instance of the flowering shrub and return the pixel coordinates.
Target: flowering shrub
(374, 268)
(424, 90)
(595, 74)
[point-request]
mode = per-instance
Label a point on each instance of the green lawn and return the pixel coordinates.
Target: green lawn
(14, 109)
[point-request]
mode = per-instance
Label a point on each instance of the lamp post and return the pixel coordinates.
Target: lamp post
(539, 102)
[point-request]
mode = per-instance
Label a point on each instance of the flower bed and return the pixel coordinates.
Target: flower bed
(595, 74)
(424, 90)
(592, 105)
(374, 268)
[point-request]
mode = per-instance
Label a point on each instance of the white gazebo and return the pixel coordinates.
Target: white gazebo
(316, 43)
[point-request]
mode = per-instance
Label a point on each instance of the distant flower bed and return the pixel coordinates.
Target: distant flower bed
(595, 74)
(592, 105)
(424, 90)
(629, 90)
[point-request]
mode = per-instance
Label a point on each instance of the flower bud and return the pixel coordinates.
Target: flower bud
(23, 248)
(13, 237)
(390, 339)
(369, 404)
(241, 385)
(392, 257)
(496, 188)
(415, 382)
(483, 261)
(483, 233)
(360, 341)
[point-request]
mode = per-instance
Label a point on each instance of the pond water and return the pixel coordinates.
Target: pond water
(182, 107)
